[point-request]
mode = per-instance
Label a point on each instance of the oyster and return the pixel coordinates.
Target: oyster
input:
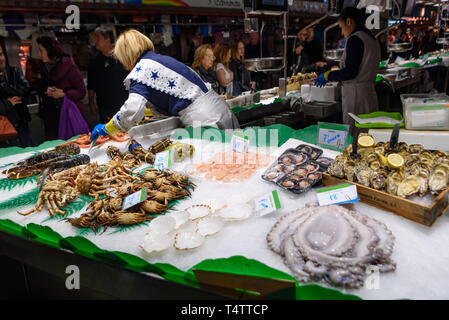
(402, 146)
(409, 186)
(378, 179)
(349, 170)
(363, 174)
(393, 180)
(439, 178)
(415, 148)
(337, 169)
(332, 244)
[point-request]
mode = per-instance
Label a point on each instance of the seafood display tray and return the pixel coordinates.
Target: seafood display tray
(406, 208)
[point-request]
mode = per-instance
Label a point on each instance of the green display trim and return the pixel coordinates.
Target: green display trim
(277, 203)
(234, 265)
(338, 186)
(428, 107)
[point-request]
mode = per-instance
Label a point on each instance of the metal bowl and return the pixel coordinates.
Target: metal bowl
(443, 41)
(334, 55)
(265, 64)
(400, 47)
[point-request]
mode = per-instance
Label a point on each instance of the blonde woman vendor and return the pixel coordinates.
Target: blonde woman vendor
(168, 84)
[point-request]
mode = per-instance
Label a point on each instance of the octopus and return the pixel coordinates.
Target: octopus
(332, 244)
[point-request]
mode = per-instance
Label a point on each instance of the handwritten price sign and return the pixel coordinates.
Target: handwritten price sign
(332, 136)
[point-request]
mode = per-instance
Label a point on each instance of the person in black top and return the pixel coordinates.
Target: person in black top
(308, 54)
(242, 76)
(202, 63)
(252, 49)
(105, 78)
(14, 92)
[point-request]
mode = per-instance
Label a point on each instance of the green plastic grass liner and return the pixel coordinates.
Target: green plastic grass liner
(9, 184)
(380, 125)
(5, 152)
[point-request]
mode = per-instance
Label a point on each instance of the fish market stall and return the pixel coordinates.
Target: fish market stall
(199, 228)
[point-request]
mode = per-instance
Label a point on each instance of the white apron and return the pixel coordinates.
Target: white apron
(359, 95)
(209, 110)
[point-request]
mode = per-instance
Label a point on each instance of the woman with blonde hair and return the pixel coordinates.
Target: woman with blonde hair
(225, 76)
(171, 86)
(203, 62)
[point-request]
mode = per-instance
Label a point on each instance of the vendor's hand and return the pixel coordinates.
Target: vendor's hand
(15, 100)
(320, 64)
(320, 81)
(253, 84)
(99, 130)
(55, 93)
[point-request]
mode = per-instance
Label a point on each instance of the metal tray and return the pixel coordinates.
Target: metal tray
(155, 129)
(400, 47)
(334, 55)
(265, 64)
(442, 41)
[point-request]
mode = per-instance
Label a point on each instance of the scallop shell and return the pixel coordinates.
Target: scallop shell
(188, 240)
(236, 212)
(209, 226)
(181, 217)
(216, 204)
(162, 225)
(199, 211)
(155, 242)
(237, 199)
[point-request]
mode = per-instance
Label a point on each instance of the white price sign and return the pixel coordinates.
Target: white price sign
(339, 194)
(135, 198)
(332, 136)
(240, 142)
(163, 160)
(267, 203)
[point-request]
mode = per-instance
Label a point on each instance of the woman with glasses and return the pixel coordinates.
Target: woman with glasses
(171, 86)
(202, 63)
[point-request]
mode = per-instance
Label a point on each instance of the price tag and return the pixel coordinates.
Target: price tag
(332, 136)
(339, 194)
(163, 160)
(267, 203)
(240, 142)
(135, 198)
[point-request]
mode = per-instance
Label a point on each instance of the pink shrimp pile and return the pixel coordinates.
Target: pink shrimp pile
(232, 166)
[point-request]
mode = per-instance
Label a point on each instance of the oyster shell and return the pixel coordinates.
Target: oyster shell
(415, 148)
(439, 178)
(378, 179)
(409, 186)
(393, 180)
(337, 168)
(188, 240)
(363, 174)
(349, 170)
(209, 226)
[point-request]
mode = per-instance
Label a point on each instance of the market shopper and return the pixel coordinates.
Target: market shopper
(14, 94)
(60, 77)
(105, 78)
(242, 77)
(359, 70)
(171, 86)
(203, 63)
(225, 76)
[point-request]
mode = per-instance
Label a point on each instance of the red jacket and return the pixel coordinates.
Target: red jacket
(66, 76)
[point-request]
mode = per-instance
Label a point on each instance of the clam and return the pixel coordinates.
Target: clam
(209, 226)
(188, 240)
(409, 186)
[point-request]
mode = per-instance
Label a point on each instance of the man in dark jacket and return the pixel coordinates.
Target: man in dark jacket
(308, 54)
(14, 91)
(105, 78)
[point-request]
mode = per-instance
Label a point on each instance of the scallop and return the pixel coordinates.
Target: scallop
(307, 149)
(162, 225)
(287, 159)
(237, 199)
(199, 211)
(312, 167)
(273, 175)
(288, 183)
(299, 159)
(209, 226)
(155, 242)
(188, 240)
(181, 217)
(314, 176)
(236, 212)
(301, 171)
(303, 184)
